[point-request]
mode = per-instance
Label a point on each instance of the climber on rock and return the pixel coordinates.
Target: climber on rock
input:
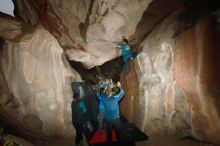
(126, 52)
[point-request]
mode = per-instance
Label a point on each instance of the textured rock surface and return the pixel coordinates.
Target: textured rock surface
(177, 82)
(14, 30)
(130, 103)
(35, 79)
(95, 25)
(172, 87)
(119, 20)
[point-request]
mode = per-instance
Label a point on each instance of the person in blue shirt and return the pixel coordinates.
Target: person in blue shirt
(101, 113)
(126, 52)
(103, 85)
(111, 107)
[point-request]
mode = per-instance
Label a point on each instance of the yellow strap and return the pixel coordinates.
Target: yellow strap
(8, 143)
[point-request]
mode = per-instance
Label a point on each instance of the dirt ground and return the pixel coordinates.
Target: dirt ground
(171, 141)
(153, 141)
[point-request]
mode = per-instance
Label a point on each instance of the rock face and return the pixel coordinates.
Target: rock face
(35, 79)
(86, 28)
(178, 81)
(172, 87)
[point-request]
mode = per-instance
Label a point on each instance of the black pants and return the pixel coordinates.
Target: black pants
(79, 132)
(79, 137)
(113, 123)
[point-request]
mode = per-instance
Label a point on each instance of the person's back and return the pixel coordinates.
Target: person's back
(101, 95)
(111, 105)
(126, 49)
(110, 102)
(101, 114)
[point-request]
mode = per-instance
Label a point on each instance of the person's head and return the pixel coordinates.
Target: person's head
(103, 85)
(125, 41)
(76, 95)
(78, 92)
(108, 92)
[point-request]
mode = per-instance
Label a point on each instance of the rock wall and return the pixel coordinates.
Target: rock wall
(178, 81)
(172, 86)
(85, 28)
(130, 103)
(35, 77)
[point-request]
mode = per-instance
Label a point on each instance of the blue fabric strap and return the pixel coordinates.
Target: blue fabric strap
(82, 106)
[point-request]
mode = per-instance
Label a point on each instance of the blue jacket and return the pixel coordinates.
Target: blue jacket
(100, 96)
(111, 105)
(125, 48)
